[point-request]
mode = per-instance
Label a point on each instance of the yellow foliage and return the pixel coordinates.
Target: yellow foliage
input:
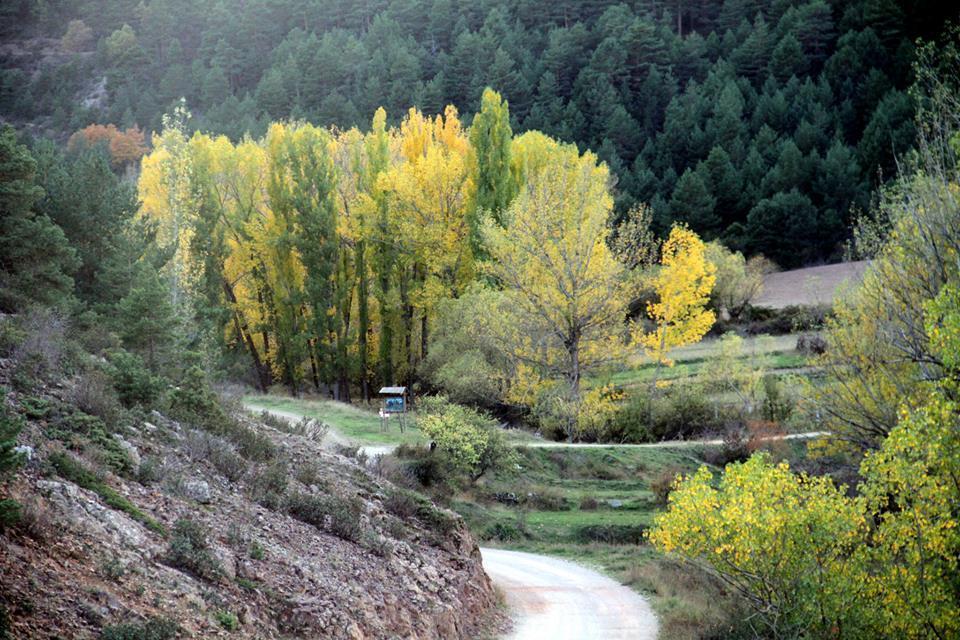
(683, 285)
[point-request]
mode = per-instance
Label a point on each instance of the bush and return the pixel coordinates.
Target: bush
(269, 487)
(811, 344)
(10, 426)
(228, 620)
(134, 383)
(589, 503)
(546, 499)
(340, 516)
(93, 393)
(153, 629)
(662, 484)
(42, 348)
(777, 404)
(504, 532)
(77, 429)
(790, 319)
(189, 550)
(611, 534)
(194, 402)
(470, 439)
(402, 503)
(228, 462)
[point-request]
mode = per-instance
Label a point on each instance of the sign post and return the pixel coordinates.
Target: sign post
(394, 403)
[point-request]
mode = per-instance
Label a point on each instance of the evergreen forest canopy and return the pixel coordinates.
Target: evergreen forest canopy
(760, 122)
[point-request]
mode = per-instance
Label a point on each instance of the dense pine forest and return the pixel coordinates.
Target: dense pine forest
(764, 123)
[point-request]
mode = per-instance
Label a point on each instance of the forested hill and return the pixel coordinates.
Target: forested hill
(759, 121)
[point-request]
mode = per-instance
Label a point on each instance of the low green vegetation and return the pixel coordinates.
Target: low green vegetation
(152, 629)
(70, 469)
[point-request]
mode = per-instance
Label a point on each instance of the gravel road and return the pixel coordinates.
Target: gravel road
(553, 599)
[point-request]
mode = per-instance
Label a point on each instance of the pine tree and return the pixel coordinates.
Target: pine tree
(35, 257)
(145, 318)
(10, 426)
(693, 203)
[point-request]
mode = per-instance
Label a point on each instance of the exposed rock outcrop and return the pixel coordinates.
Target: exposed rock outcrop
(77, 564)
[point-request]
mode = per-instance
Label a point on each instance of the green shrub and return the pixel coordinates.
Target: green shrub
(546, 499)
(190, 550)
(270, 485)
(70, 469)
(437, 520)
(402, 503)
(9, 513)
(77, 429)
(4, 623)
(343, 514)
(10, 426)
(504, 532)
(228, 620)
(777, 404)
(194, 402)
(611, 534)
(133, 381)
(152, 629)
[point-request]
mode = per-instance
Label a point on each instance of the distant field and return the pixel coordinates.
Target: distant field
(810, 286)
(778, 352)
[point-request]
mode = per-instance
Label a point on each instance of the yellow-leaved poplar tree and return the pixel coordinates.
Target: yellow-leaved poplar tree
(683, 285)
(552, 257)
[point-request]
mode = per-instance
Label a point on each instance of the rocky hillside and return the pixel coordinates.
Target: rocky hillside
(156, 529)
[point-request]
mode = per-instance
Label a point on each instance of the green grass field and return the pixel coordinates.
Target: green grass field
(777, 353)
(356, 424)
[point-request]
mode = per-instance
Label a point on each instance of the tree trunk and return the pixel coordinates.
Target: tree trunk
(263, 372)
(364, 313)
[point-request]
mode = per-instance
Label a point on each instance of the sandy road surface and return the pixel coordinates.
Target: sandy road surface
(553, 599)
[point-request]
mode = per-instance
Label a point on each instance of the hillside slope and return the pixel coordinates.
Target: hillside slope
(174, 542)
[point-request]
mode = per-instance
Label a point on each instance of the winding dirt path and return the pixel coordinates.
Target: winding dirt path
(555, 599)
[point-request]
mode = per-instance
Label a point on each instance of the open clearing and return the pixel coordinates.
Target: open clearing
(810, 286)
(353, 424)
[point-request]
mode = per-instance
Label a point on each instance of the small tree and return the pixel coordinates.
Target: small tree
(472, 441)
(146, 319)
(78, 37)
(564, 285)
(10, 426)
(683, 287)
(739, 281)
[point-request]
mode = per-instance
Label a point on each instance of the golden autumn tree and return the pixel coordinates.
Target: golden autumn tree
(168, 199)
(683, 285)
(552, 257)
(428, 193)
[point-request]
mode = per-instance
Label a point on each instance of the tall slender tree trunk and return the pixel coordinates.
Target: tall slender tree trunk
(243, 330)
(364, 320)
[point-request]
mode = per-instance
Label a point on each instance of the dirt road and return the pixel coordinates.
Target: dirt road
(333, 438)
(553, 599)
